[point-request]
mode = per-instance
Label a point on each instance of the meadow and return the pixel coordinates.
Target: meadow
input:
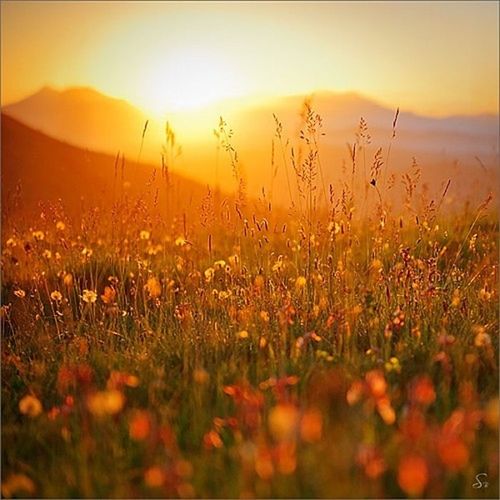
(344, 348)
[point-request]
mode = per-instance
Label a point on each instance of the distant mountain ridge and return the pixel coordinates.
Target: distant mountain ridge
(87, 119)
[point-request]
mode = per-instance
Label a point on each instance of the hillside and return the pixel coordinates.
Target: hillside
(39, 169)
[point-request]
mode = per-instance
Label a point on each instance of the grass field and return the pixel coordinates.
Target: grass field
(344, 349)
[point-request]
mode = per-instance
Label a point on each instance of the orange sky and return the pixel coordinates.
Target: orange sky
(435, 58)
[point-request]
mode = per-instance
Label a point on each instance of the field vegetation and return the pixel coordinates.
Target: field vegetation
(344, 348)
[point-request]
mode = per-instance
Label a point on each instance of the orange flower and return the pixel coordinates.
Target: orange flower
(376, 383)
(422, 391)
(109, 295)
(17, 484)
(453, 453)
(311, 426)
(212, 440)
(139, 425)
(154, 477)
(413, 475)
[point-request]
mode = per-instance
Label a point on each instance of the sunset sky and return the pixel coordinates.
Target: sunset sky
(433, 58)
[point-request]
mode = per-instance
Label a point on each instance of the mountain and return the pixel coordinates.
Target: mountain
(462, 146)
(83, 117)
(39, 172)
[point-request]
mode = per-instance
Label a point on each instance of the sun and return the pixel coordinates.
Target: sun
(188, 79)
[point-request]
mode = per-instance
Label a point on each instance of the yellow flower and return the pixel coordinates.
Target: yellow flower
(30, 405)
(264, 316)
(68, 279)
(243, 334)
(104, 403)
(38, 235)
(20, 293)
(153, 287)
(180, 241)
(144, 235)
(283, 421)
(87, 252)
(219, 264)
(300, 282)
(209, 274)
(278, 265)
(56, 296)
(11, 242)
(482, 339)
(61, 226)
(89, 296)
(47, 254)
(455, 301)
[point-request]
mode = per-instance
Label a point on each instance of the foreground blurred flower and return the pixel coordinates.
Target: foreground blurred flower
(283, 422)
(311, 426)
(18, 485)
(89, 296)
(453, 452)
(139, 425)
(30, 405)
(422, 391)
(413, 475)
(371, 460)
(104, 403)
(154, 477)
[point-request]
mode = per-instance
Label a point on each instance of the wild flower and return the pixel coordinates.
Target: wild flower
(153, 287)
(30, 405)
(89, 296)
(18, 485)
(139, 425)
(109, 295)
(154, 477)
(144, 235)
(300, 282)
(56, 296)
(38, 235)
(413, 475)
(103, 403)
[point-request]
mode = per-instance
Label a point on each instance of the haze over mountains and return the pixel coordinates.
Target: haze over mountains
(88, 119)
(39, 172)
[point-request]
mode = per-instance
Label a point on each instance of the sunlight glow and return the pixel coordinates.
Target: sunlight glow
(190, 78)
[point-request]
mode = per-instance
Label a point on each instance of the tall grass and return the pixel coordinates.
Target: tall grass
(348, 349)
